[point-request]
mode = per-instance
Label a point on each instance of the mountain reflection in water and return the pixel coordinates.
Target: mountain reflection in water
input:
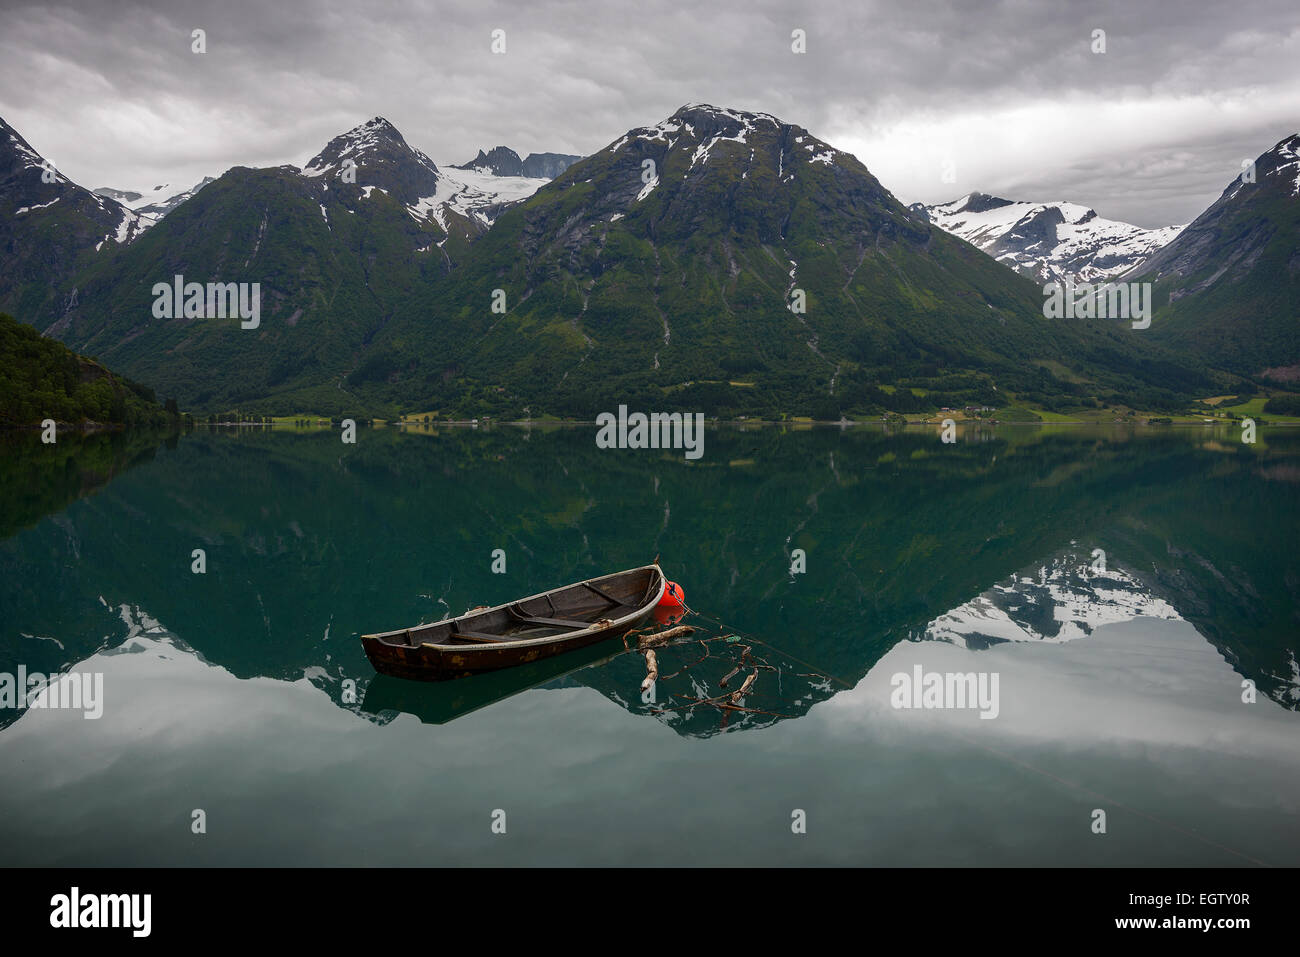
(248, 688)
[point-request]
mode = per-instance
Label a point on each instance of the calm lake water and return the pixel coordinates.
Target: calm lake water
(1128, 588)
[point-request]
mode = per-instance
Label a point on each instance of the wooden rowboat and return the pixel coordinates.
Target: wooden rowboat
(520, 632)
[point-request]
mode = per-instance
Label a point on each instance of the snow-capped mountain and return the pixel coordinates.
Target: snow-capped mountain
(503, 161)
(155, 203)
(1287, 167)
(375, 156)
(32, 184)
(1048, 242)
(49, 227)
(367, 225)
(690, 248)
(1065, 598)
(705, 127)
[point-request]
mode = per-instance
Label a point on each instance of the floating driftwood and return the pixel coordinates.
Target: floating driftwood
(651, 671)
(740, 692)
(659, 637)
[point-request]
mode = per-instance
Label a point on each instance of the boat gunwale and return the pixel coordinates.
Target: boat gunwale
(614, 623)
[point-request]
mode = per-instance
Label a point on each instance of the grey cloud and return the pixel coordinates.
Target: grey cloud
(112, 93)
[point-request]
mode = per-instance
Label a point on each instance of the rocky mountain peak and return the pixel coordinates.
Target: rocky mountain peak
(1283, 161)
(703, 142)
(16, 155)
(50, 225)
(978, 203)
(503, 161)
(500, 161)
(376, 154)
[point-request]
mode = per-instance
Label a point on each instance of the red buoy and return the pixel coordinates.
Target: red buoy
(673, 596)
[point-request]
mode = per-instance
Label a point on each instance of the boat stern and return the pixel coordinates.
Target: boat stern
(389, 657)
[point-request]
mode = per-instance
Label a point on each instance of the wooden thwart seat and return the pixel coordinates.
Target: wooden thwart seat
(476, 636)
(555, 622)
(605, 595)
(571, 623)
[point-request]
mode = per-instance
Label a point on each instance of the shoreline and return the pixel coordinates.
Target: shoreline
(1185, 422)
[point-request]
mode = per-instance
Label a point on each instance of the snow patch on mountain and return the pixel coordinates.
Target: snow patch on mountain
(1289, 152)
(746, 119)
(31, 157)
(28, 209)
(129, 221)
(428, 192)
(660, 131)
(431, 206)
(1064, 599)
(128, 229)
(1049, 242)
(477, 189)
(478, 194)
(151, 205)
(701, 128)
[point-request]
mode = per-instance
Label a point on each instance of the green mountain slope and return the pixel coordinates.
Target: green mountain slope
(719, 261)
(43, 379)
(334, 247)
(661, 271)
(1227, 289)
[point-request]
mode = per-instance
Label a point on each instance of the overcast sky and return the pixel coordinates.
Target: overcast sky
(1010, 93)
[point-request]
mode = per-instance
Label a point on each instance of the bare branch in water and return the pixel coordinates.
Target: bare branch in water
(659, 638)
(652, 671)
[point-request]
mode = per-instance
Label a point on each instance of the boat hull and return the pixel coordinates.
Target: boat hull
(460, 647)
